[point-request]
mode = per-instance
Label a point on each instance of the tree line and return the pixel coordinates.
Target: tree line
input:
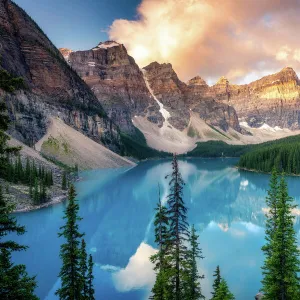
(284, 156)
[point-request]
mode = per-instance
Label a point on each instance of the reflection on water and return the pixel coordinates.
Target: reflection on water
(227, 207)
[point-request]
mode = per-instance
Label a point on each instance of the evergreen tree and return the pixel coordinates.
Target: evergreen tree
(43, 194)
(223, 292)
(91, 291)
(159, 290)
(51, 178)
(178, 233)
(84, 270)
(217, 282)
(64, 181)
(71, 278)
(8, 224)
(281, 266)
(27, 171)
(30, 191)
(192, 284)
(14, 280)
(36, 194)
(269, 278)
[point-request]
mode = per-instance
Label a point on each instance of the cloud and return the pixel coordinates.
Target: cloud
(139, 271)
(214, 38)
(283, 53)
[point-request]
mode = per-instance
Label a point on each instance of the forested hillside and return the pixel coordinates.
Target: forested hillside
(284, 154)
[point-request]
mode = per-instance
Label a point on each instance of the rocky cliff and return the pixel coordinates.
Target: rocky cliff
(53, 88)
(117, 82)
(273, 99)
(181, 99)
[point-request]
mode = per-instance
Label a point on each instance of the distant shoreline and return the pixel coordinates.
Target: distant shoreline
(261, 172)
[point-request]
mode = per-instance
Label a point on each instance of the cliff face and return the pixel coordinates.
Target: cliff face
(117, 82)
(53, 88)
(273, 99)
(180, 99)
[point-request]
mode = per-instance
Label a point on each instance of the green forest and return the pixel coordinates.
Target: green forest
(284, 154)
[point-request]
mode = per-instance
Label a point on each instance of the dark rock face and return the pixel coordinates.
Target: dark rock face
(273, 99)
(169, 90)
(117, 82)
(180, 98)
(53, 88)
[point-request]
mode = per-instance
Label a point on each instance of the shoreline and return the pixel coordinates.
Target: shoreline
(261, 172)
(54, 200)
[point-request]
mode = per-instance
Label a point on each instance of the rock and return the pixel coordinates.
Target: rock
(180, 98)
(273, 99)
(53, 88)
(169, 90)
(117, 82)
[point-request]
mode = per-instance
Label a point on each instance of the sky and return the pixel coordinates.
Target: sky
(242, 40)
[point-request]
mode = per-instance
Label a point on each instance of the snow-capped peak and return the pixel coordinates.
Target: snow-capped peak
(106, 45)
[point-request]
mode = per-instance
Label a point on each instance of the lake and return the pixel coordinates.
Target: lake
(117, 205)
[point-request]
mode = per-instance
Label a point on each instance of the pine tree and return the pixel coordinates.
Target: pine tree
(64, 181)
(84, 270)
(160, 265)
(71, 278)
(8, 224)
(36, 194)
(282, 255)
(217, 282)
(27, 171)
(223, 292)
(178, 231)
(192, 284)
(51, 177)
(269, 278)
(43, 193)
(15, 282)
(91, 291)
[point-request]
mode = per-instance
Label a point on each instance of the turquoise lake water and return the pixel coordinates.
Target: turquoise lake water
(117, 206)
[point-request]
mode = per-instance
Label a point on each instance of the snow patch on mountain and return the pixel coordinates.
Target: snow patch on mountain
(106, 45)
(162, 110)
(264, 127)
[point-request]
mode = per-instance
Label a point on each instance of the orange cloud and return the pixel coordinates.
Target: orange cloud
(238, 39)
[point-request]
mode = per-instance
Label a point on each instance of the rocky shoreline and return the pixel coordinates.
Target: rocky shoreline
(55, 200)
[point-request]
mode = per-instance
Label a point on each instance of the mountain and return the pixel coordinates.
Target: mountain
(117, 82)
(271, 100)
(152, 100)
(53, 89)
(103, 94)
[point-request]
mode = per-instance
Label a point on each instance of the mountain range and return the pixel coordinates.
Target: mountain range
(103, 94)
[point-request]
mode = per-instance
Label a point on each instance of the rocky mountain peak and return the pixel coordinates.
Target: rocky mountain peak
(288, 73)
(163, 71)
(197, 81)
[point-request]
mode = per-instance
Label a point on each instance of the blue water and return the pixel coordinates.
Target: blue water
(117, 206)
